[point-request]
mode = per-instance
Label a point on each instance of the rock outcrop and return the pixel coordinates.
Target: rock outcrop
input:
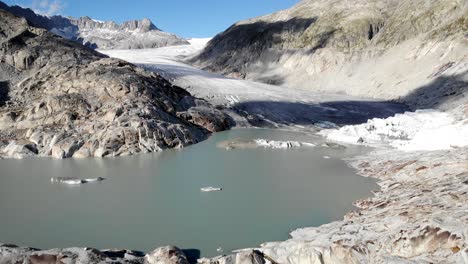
(163, 255)
(415, 51)
(64, 100)
(166, 255)
(133, 34)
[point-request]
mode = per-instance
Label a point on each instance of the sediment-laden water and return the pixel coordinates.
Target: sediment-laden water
(153, 200)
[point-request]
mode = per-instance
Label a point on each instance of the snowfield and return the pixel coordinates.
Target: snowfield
(168, 61)
(254, 103)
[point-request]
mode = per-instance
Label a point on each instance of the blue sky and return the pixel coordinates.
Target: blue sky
(187, 18)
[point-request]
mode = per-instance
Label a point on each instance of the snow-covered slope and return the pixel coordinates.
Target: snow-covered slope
(261, 104)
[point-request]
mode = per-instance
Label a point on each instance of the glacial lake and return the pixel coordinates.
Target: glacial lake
(153, 200)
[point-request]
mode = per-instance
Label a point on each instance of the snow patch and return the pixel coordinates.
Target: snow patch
(198, 43)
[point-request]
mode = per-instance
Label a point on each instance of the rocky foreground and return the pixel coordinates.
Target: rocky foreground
(14, 254)
(61, 99)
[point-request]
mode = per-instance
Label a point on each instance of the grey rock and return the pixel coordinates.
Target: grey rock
(14, 254)
(66, 100)
(20, 149)
(166, 255)
(243, 257)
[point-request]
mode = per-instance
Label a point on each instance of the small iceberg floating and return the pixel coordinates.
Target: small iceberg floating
(211, 189)
(98, 179)
(74, 181)
(262, 143)
(282, 144)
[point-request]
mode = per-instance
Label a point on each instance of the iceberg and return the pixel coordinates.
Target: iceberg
(211, 189)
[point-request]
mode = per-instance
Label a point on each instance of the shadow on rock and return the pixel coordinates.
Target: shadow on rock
(4, 90)
(192, 254)
(270, 113)
(244, 42)
(443, 90)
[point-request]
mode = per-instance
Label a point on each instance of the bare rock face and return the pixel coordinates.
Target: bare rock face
(65, 100)
(133, 34)
(166, 255)
(15, 254)
(243, 257)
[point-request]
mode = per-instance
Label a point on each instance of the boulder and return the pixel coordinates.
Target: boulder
(166, 255)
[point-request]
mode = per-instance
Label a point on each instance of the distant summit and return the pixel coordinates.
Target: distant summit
(133, 34)
(144, 25)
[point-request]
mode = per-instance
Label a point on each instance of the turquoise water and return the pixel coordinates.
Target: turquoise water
(154, 200)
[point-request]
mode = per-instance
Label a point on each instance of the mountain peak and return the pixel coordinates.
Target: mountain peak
(143, 25)
(133, 34)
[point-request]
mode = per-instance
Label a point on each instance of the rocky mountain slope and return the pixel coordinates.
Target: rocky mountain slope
(134, 34)
(61, 99)
(409, 50)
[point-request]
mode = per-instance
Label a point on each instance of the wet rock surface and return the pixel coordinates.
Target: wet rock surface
(65, 100)
(164, 255)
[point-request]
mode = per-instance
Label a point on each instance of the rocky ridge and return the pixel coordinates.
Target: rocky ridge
(62, 99)
(414, 51)
(133, 34)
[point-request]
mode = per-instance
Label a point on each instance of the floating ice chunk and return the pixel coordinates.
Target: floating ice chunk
(281, 144)
(74, 181)
(94, 179)
(262, 143)
(326, 157)
(333, 145)
(211, 189)
(67, 180)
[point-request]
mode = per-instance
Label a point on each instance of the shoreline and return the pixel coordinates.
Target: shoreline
(387, 227)
(284, 230)
(399, 223)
